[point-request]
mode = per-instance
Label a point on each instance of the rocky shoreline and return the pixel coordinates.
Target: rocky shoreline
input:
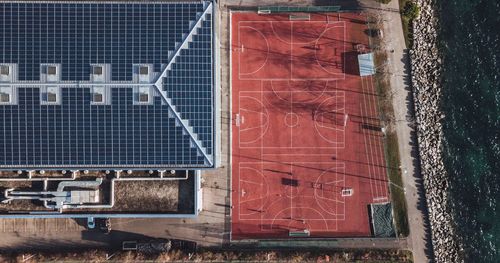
(426, 81)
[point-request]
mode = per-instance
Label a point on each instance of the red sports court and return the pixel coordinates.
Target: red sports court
(307, 149)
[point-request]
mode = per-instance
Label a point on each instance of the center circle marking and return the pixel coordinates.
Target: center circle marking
(291, 119)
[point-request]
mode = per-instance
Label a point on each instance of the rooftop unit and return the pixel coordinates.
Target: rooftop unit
(85, 192)
(50, 72)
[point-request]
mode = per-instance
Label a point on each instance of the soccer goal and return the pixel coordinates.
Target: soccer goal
(299, 233)
(301, 17)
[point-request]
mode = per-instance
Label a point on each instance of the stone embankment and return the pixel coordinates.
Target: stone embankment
(426, 80)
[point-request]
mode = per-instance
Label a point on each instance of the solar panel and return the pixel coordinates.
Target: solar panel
(190, 94)
(65, 127)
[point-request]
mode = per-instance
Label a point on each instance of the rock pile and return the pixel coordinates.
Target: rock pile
(426, 81)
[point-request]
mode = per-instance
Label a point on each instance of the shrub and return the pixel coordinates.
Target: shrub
(411, 10)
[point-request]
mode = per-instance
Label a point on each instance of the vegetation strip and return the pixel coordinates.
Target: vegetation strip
(409, 12)
(209, 255)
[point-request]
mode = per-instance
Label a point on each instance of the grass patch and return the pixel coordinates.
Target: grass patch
(391, 146)
(397, 194)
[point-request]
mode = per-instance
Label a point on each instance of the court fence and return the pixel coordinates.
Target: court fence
(295, 9)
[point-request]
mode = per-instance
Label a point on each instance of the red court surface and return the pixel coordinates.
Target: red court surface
(305, 128)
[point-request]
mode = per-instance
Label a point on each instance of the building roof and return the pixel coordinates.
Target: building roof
(106, 85)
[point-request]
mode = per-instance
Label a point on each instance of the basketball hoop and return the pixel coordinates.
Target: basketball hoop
(239, 49)
(238, 120)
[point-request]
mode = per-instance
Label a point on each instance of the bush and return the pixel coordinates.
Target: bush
(384, 1)
(411, 10)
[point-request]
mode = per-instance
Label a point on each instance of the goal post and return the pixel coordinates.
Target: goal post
(299, 17)
(299, 233)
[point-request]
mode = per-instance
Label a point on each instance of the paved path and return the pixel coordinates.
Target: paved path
(398, 66)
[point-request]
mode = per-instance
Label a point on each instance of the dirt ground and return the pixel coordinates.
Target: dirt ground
(146, 196)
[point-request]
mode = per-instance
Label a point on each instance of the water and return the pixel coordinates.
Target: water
(470, 37)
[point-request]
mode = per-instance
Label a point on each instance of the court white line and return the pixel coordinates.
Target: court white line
(240, 75)
(297, 79)
(376, 142)
(265, 114)
(364, 138)
(371, 138)
(267, 54)
(333, 95)
(380, 157)
(316, 52)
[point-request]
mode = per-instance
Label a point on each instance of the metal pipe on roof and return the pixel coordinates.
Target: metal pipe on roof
(112, 192)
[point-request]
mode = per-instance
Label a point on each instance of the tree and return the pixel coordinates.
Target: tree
(411, 10)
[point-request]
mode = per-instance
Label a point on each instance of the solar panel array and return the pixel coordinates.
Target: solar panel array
(121, 134)
(188, 93)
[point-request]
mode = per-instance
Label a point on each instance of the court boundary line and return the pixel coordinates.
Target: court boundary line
(343, 46)
(240, 189)
(333, 166)
(291, 77)
(239, 53)
(372, 166)
(373, 142)
(338, 94)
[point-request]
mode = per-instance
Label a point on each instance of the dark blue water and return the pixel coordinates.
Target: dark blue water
(470, 38)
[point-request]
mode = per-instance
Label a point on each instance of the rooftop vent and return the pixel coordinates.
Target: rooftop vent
(98, 95)
(8, 72)
(143, 73)
(5, 70)
(97, 70)
(100, 72)
(51, 70)
(5, 94)
(143, 70)
(49, 95)
(144, 95)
